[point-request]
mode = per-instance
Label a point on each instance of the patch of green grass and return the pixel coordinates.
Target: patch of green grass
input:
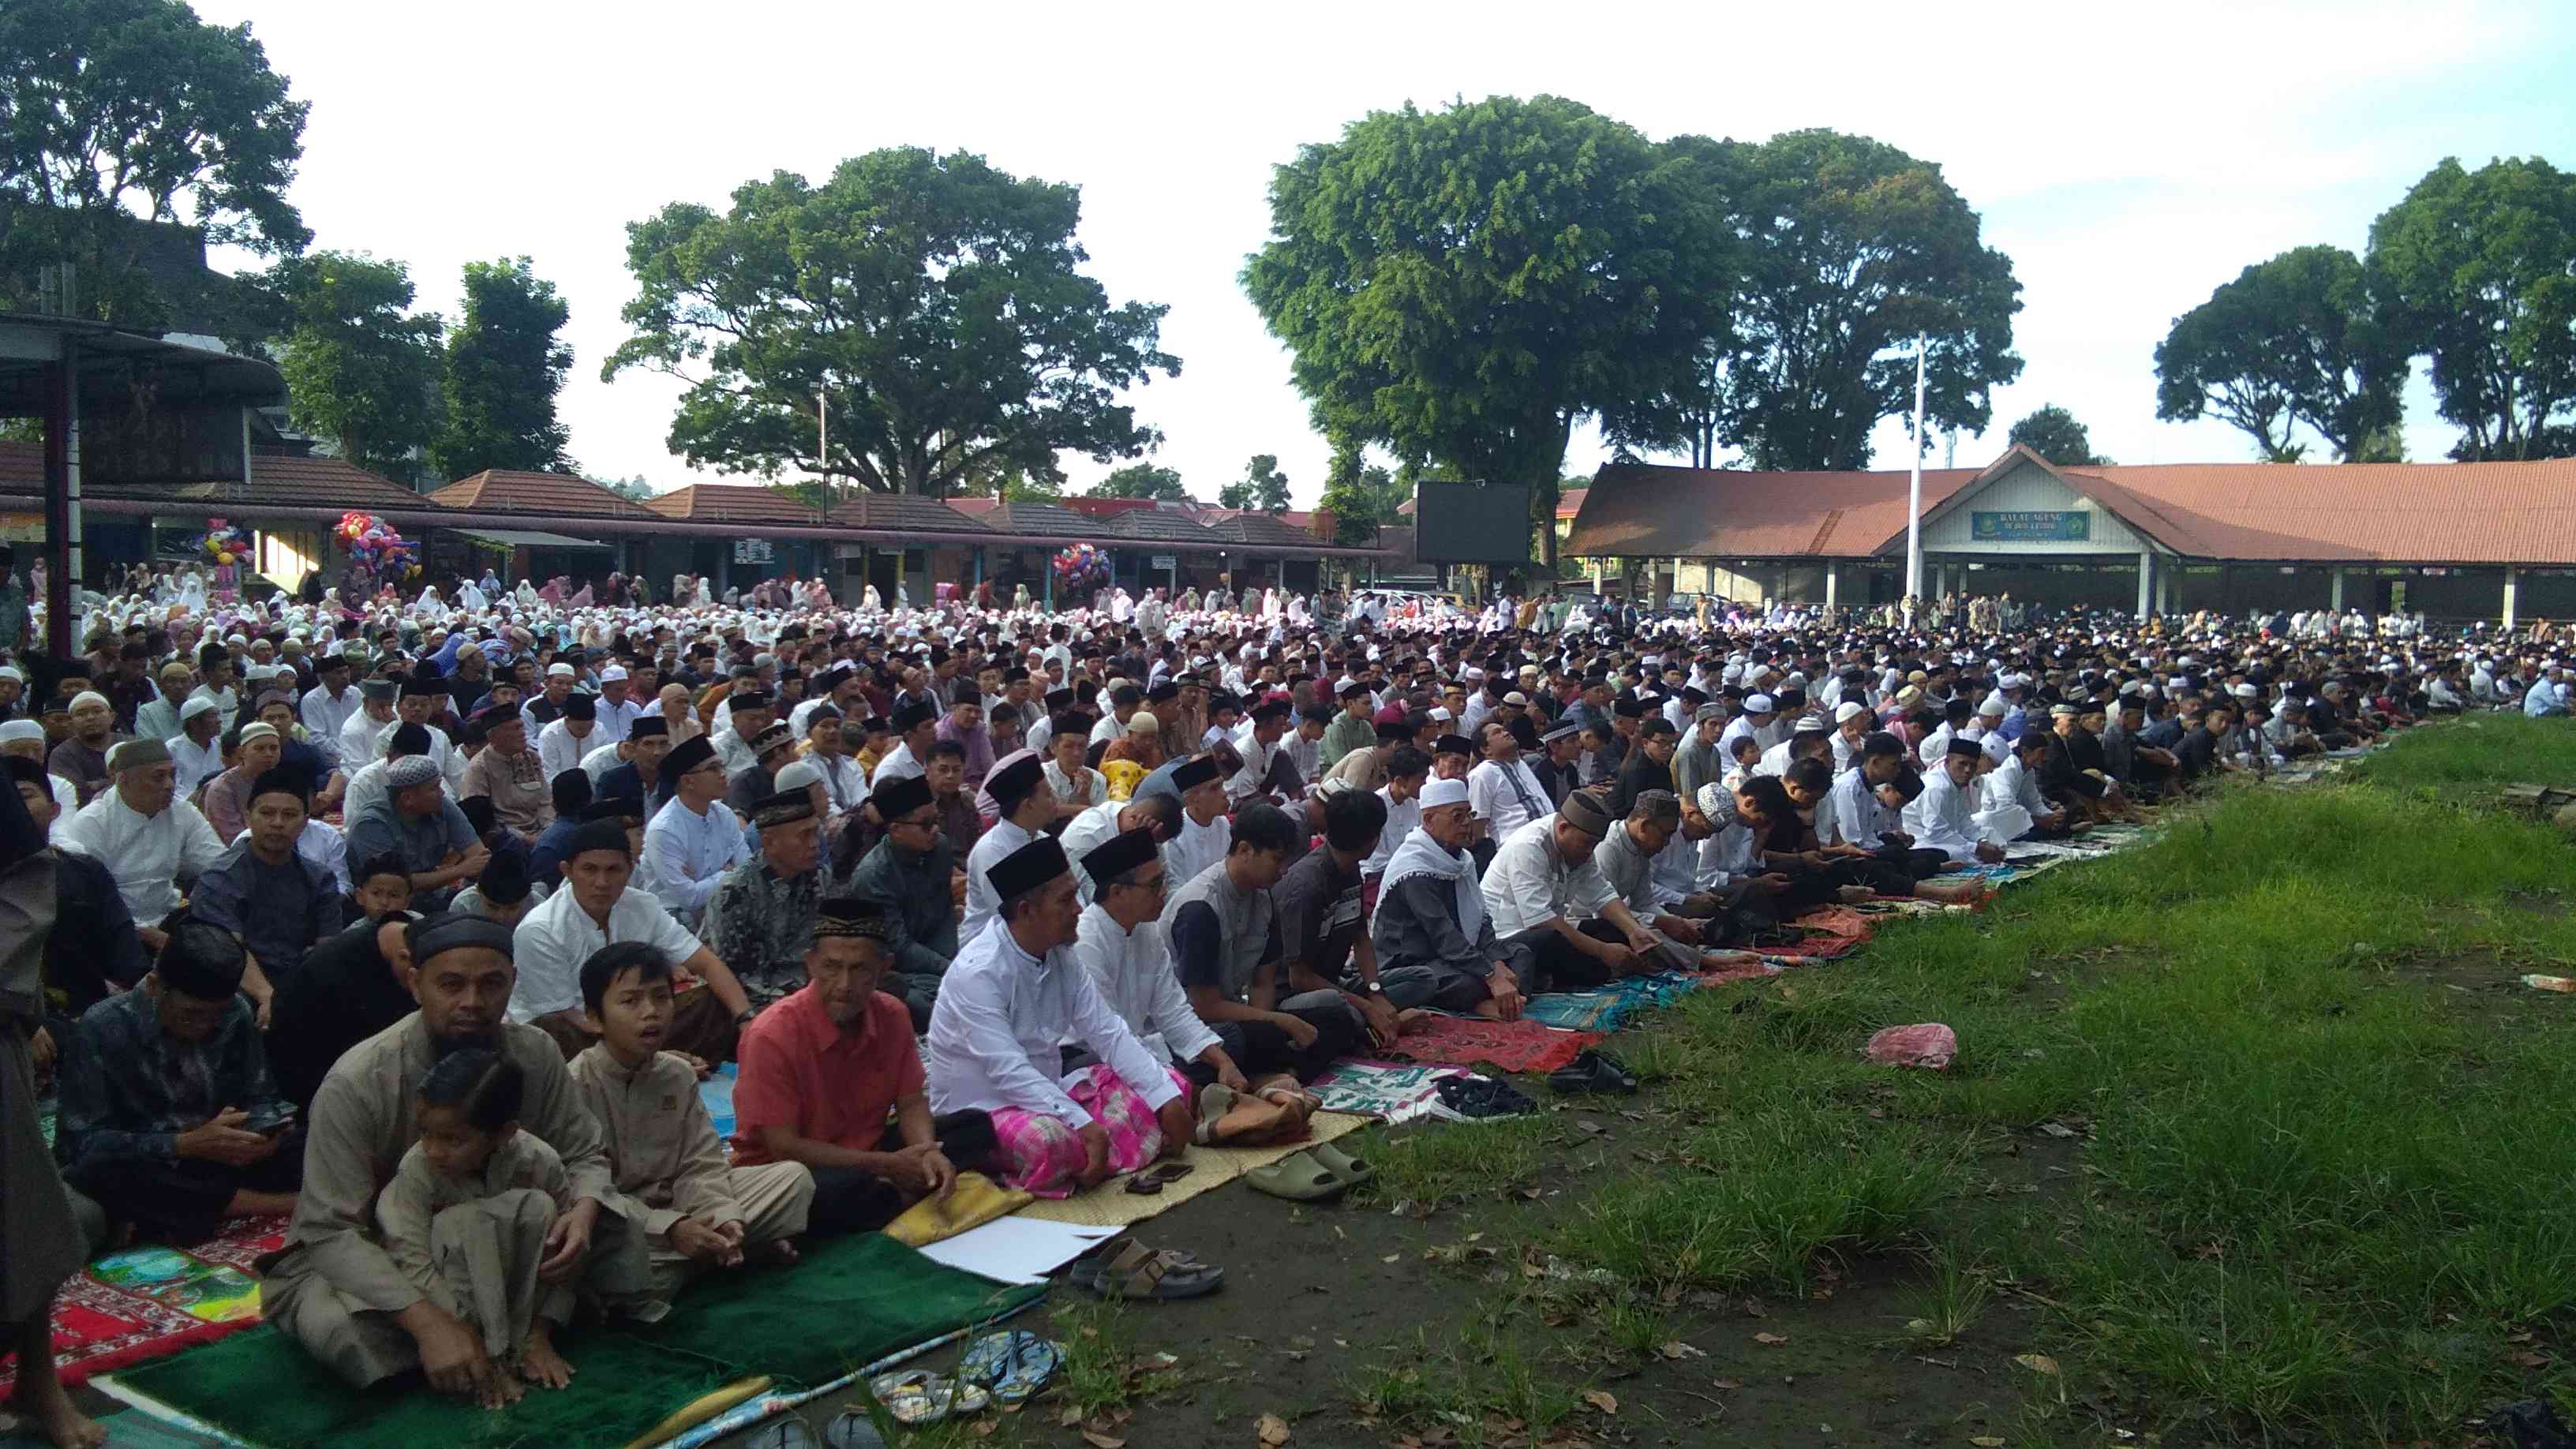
(1101, 1367)
(1952, 1302)
(2312, 1194)
(1471, 1385)
(1446, 1163)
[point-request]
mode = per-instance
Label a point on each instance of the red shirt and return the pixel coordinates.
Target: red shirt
(799, 1070)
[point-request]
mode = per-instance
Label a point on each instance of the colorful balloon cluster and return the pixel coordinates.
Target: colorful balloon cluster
(224, 543)
(1081, 568)
(378, 547)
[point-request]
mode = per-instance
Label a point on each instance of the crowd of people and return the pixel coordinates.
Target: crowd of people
(419, 922)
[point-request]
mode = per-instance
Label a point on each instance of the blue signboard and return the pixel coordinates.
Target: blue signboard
(2037, 525)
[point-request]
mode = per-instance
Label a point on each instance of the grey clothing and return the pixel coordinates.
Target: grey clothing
(914, 890)
(1425, 959)
(421, 843)
(333, 1287)
(1220, 936)
(41, 1243)
(279, 911)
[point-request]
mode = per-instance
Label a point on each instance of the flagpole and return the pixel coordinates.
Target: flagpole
(1914, 490)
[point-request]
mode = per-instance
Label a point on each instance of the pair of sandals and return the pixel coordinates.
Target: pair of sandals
(848, 1431)
(1135, 1271)
(1319, 1172)
(1594, 1071)
(1009, 1367)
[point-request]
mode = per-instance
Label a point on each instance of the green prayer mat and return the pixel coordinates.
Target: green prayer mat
(850, 1302)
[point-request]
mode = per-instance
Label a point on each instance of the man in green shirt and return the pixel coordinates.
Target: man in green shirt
(1352, 728)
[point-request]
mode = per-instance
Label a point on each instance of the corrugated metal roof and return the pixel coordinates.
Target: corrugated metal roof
(2466, 513)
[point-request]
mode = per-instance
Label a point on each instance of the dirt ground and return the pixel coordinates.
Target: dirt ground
(1314, 1304)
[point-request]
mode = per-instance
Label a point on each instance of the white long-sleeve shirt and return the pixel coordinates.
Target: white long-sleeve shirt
(1853, 814)
(144, 853)
(362, 737)
(1403, 817)
(686, 855)
(559, 749)
(1134, 973)
(1196, 848)
(196, 763)
(1529, 883)
(982, 901)
(1942, 818)
(1491, 795)
(551, 941)
(998, 1034)
(325, 717)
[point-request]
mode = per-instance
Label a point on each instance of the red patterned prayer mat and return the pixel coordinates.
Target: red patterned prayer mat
(1511, 1046)
(150, 1302)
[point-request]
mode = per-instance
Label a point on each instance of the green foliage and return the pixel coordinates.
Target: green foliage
(1021, 488)
(2479, 269)
(505, 365)
(2297, 339)
(1856, 248)
(634, 489)
(934, 302)
(2053, 433)
(360, 370)
(119, 111)
(1362, 499)
(1262, 486)
(1142, 480)
(1465, 285)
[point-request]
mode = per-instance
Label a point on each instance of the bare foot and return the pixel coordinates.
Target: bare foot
(1488, 1010)
(42, 1399)
(776, 1253)
(539, 1363)
(1854, 895)
(1411, 1017)
(504, 1392)
(250, 1203)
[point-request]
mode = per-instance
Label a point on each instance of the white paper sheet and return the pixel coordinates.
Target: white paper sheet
(1018, 1250)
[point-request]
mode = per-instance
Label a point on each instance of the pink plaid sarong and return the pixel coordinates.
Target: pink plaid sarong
(1041, 1154)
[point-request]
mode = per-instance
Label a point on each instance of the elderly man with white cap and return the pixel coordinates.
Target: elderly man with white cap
(145, 834)
(616, 709)
(197, 751)
(1435, 942)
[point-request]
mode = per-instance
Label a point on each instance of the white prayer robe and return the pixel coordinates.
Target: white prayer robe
(1942, 818)
(1134, 973)
(686, 855)
(144, 853)
(982, 901)
(1490, 796)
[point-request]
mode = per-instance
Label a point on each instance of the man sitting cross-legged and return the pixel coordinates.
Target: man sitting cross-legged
(1120, 944)
(1225, 942)
(1435, 944)
(1012, 1001)
(334, 1288)
(824, 1070)
(672, 1182)
(170, 1120)
(599, 907)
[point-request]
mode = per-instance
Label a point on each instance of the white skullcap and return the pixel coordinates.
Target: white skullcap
(1712, 800)
(1760, 704)
(560, 668)
(1441, 712)
(86, 695)
(613, 674)
(21, 729)
(797, 775)
(1993, 709)
(1444, 792)
(252, 732)
(2243, 691)
(12, 671)
(1849, 709)
(197, 705)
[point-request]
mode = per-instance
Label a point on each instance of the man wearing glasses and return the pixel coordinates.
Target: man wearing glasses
(1131, 962)
(906, 874)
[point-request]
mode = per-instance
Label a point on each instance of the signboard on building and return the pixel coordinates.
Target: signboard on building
(1166, 562)
(754, 551)
(2035, 525)
(22, 527)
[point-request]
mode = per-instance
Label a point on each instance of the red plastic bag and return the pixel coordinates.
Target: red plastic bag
(1928, 1044)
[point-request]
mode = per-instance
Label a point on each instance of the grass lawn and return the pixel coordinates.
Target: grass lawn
(2320, 1173)
(2254, 1137)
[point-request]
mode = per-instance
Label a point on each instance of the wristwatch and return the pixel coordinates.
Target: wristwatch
(1373, 988)
(746, 1014)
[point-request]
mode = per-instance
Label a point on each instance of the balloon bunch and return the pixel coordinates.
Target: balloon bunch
(224, 543)
(378, 547)
(1081, 568)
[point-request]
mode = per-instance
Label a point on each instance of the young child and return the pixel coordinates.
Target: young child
(467, 1213)
(672, 1182)
(380, 888)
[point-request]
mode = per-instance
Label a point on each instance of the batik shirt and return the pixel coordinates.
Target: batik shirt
(132, 1088)
(760, 924)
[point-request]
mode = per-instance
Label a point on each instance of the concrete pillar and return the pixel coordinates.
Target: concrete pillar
(2146, 584)
(2334, 595)
(1833, 584)
(2512, 587)
(2164, 591)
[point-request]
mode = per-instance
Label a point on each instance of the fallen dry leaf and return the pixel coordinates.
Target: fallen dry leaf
(1770, 1338)
(2038, 1363)
(1071, 1416)
(1602, 1399)
(1987, 1441)
(1674, 1348)
(1728, 1385)
(1098, 1440)
(1273, 1431)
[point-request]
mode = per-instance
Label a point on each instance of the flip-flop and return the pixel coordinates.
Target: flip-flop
(791, 1433)
(914, 1396)
(1298, 1178)
(1342, 1164)
(1033, 1365)
(1593, 1071)
(849, 1429)
(989, 1357)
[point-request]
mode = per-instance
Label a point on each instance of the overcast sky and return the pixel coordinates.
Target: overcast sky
(2128, 159)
